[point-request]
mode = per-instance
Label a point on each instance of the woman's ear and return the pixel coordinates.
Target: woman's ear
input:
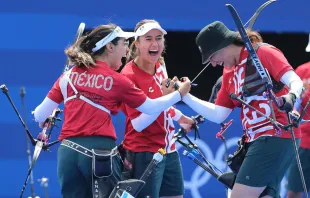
(136, 43)
(110, 47)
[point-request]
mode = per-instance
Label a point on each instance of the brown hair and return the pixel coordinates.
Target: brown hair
(81, 54)
(254, 37)
(133, 53)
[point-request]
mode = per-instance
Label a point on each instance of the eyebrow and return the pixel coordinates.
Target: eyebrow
(155, 36)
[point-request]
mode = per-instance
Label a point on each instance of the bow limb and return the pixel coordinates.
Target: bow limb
(252, 20)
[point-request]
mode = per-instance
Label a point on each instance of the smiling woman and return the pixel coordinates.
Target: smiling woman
(146, 31)
(144, 134)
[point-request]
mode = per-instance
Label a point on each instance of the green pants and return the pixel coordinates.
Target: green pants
(75, 169)
(165, 180)
(265, 164)
(294, 181)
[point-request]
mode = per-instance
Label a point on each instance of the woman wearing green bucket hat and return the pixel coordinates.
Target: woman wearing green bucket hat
(268, 155)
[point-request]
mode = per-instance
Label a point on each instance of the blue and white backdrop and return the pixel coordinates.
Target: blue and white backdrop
(33, 35)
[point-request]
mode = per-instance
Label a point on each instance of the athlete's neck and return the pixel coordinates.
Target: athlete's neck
(145, 65)
(106, 60)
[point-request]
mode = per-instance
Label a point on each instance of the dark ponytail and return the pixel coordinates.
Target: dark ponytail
(81, 54)
(254, 37)
(78, 56)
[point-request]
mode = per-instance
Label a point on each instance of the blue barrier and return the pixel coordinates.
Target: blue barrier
(182, 15)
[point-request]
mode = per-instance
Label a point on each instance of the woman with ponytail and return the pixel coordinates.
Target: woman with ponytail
(92, 90)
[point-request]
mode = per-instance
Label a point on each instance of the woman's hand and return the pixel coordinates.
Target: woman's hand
(168, 85)
(186, 123)
(185, 86)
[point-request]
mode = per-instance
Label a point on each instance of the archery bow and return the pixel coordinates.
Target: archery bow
(228, 179)
(22, 94)
(5, 90)
(193, 150)
(35, 142)
(190, 145)
(41, 141)
(252, 20)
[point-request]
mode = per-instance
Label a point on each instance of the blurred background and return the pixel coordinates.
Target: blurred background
(35, 33)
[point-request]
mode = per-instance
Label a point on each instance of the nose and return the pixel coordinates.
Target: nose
(154, 42)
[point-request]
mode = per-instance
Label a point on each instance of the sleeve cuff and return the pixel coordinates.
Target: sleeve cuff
(178, 114)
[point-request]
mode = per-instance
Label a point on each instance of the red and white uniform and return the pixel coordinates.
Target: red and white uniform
(159, 134)
(253, 124)
(103, 90)
(303, 71)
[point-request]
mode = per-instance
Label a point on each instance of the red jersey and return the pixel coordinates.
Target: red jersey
(253, 124)
(101, 85)
(303, 71)
(159, 134)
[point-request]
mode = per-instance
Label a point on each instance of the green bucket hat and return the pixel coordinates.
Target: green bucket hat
(213, 38)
